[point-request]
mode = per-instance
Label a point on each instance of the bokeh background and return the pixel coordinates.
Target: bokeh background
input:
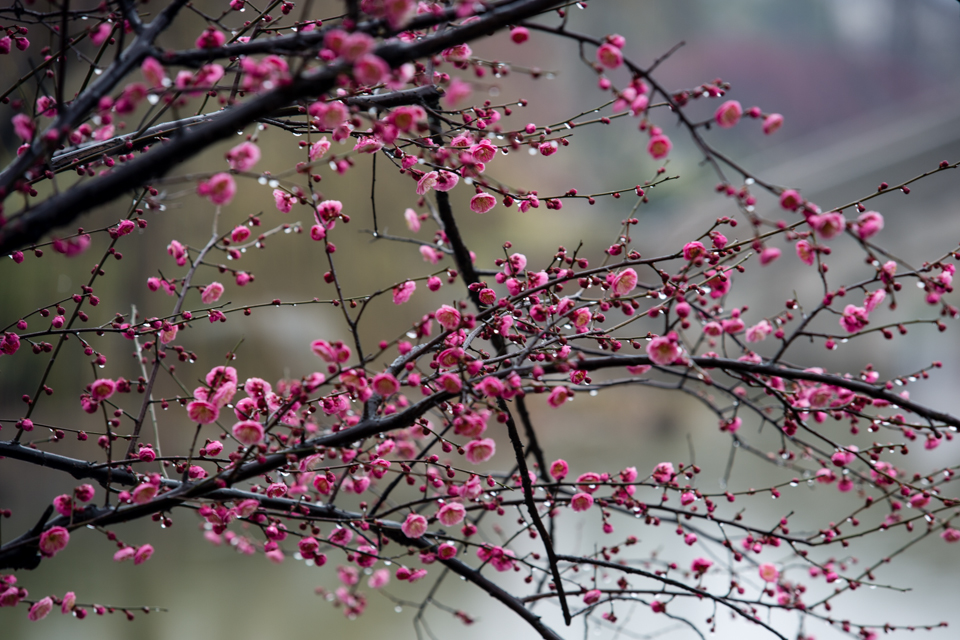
(869, 92)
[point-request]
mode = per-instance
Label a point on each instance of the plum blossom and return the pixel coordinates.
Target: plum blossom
(828, 225)
(581, 501)
(457, 92)
(53, 541)
(448, 317)
(482, 203)
(219, 189)
(559, 469)
(805, 252)
(478, 451)
(243, 156)
(319, 149)
(772, 123)
(402, 292)
(451, 514)
(609, 56)
(728, 114)
(102, 388)
(414, 526)
(663, 473)
(759, 331)
(623, 282)
(869, 224)
(663, 350)
(854, 318)
(768, 572)
(659, 146)
(558, 396)
(40, 609)
(370, 69)
(248, 432)
(211, 293)
(413, 220)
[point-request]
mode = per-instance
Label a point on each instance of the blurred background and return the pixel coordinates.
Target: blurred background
(868, 89)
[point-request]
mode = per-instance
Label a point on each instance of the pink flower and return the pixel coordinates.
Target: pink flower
(448, 317)
(558, 396)
(828, 225)
(869, 224)
(154, 73)
(426, 182)
(663, 350)
(319, 149)
(40, 609)
(403, 292)
(203, 412)
(68, 603)
(142, 554)
(482, 203)
(451, 513)
(581, 501)
(873, 299)
(592, 597)
(772, 123)
(693, 251)
(368, 144)
(446, 180)
(484, 151)
(854, 318)
(336, 352)
(124, 554)
(53, 541)
(219, 189)
(623, 282)
(790, 200)
(559, 469)
(414, 526)
(9, 344)
(478, 451)
(243, 156)
(547, 148)
(950, 535)
(239, 234)
(609, 56)
(379, 579)
(663, 473)
(805, 252)
(728, 114)
(24, 127)
(144, 493)
(659, 146)
(102, 388)
(385, 384)
(768, 255)
(519, 35)
(413, 220)
(457, 92)
(211, 38)
(370, 69)
(248, 432)
(491, 387)
(283, 200)
(759, 331)
(700, 565)
(211, 293)
(72, 246)
(768, 572)
(658, 607)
